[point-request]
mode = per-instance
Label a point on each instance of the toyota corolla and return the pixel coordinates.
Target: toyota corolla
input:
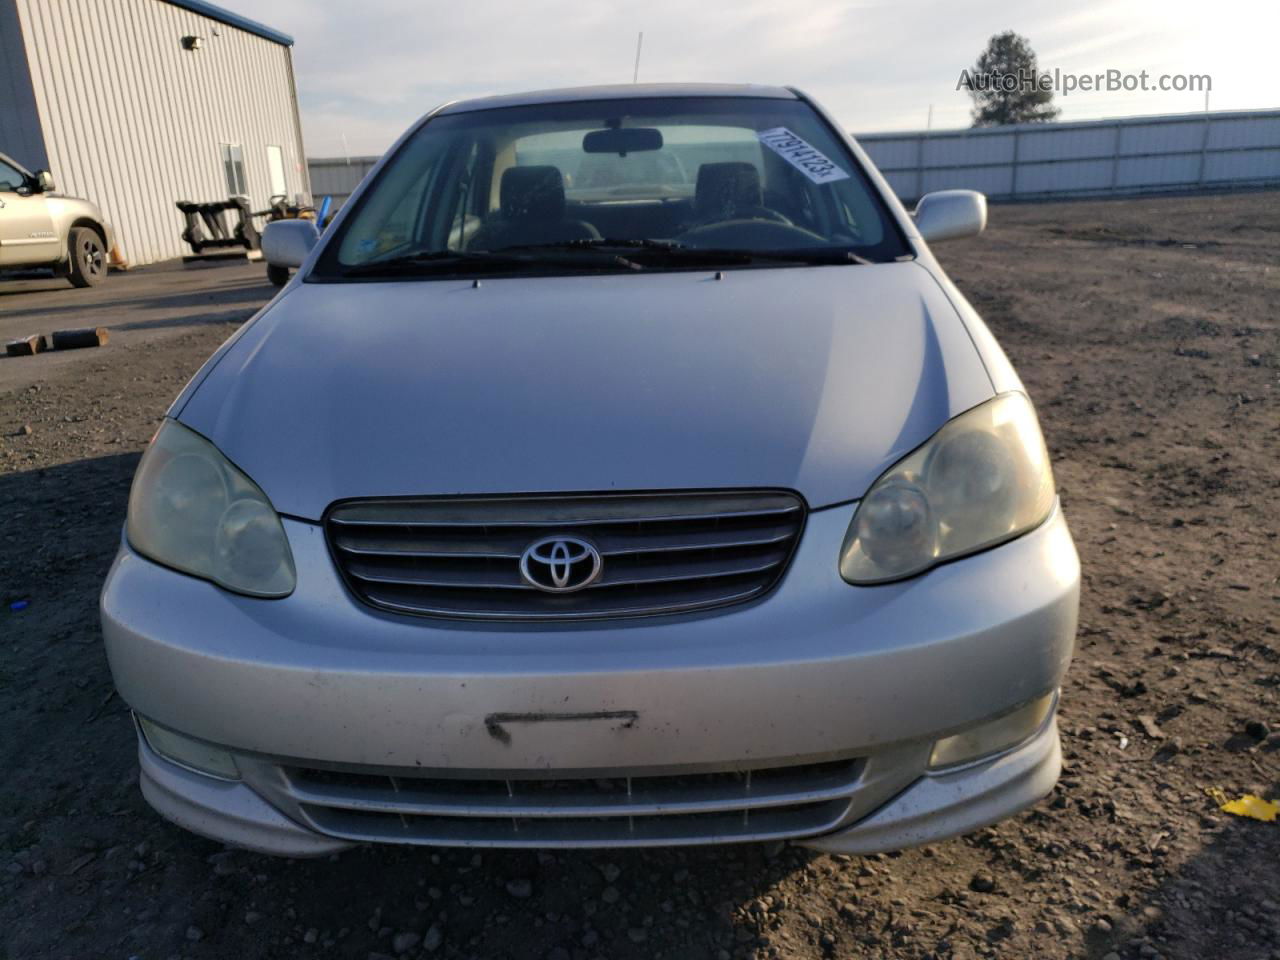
(619, 468)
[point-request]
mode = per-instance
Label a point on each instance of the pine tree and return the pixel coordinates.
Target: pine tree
(1006, 85)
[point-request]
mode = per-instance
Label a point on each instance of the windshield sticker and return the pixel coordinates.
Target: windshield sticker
(800, 155)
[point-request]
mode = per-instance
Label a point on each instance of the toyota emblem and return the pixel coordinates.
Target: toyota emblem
(560, 564)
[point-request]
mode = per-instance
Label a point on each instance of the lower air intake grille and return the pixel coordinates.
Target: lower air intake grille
(658, 554)
(614, 811)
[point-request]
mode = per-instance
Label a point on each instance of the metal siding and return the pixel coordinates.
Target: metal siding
(1070, 175)
(1086, 158)
(1158, 171)
(233, 19)
(991, 180)
(338, 177)
(1161, 137)
(1247, 132)
(968, 149)
(1250, 165)
(134, 122)
(1050, 144)
(903, 184)
(891, 154)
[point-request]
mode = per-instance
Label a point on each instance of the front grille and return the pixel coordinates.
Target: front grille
(661, 554)
(617, 811)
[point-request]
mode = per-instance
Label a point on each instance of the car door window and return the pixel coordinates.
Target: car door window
(10, 178)
(393, 220)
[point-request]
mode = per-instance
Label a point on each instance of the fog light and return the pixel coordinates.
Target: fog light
(186, 752)
(992, 736)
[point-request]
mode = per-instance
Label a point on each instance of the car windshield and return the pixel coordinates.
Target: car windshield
(627, 184)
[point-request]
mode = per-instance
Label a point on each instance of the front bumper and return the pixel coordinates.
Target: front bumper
(815, 673)
(935, 807)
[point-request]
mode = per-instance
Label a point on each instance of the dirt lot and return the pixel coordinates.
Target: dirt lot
(1147, 332)
(144, 306)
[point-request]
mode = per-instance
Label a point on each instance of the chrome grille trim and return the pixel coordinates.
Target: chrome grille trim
(568, 510)
(662, 553)
(462, 582)
(408, 807)
(673, 607)
(609, 546)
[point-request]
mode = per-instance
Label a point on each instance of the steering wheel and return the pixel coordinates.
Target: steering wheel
(747, 234)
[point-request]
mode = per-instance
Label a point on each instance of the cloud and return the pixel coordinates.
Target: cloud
(368, 69)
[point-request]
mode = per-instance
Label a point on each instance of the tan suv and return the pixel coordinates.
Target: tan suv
(39, 228)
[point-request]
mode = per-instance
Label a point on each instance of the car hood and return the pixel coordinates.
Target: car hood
(814, 379)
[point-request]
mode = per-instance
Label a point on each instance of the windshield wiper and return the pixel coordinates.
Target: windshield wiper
(630, 243)
(818, 255)
(570, 253)
(591, 246)
(684, 252)
(432, 260)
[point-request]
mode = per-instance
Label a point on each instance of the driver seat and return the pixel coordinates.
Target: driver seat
(729, 191)
(533, 208)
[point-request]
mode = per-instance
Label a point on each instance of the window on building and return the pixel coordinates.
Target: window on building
(275, 170)
(233, 167)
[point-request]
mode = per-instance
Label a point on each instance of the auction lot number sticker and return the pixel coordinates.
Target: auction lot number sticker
(797, 152)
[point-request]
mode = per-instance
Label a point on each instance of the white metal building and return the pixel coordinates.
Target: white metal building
(138, 104)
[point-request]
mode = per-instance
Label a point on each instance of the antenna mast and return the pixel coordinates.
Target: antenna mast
(635, 76)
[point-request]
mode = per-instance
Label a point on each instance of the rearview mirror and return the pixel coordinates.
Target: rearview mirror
(287, 243)
(44, 181)
(622, 140)
(947, 214)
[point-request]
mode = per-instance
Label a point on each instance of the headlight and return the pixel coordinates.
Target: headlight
(982, 479)
(192, 510)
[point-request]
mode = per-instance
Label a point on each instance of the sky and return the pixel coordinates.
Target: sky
(366, 69)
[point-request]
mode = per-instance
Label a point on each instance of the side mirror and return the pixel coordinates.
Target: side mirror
(44, 181)
(946, 214)
(286, 243)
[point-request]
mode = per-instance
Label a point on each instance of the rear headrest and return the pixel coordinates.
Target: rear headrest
(724, 188)
(532, 193)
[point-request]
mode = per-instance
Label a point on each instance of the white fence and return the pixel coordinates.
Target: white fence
(1090, 158)
(1034, 160)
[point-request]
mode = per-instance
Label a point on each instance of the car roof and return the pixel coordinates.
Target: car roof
(619, 91)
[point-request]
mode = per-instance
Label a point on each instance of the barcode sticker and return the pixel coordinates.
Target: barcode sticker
(797, 152)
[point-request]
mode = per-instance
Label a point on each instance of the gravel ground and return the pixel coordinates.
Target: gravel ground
(1147, 332)
(142, 306)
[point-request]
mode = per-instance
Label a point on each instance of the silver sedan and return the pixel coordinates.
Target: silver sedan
(684, 502)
